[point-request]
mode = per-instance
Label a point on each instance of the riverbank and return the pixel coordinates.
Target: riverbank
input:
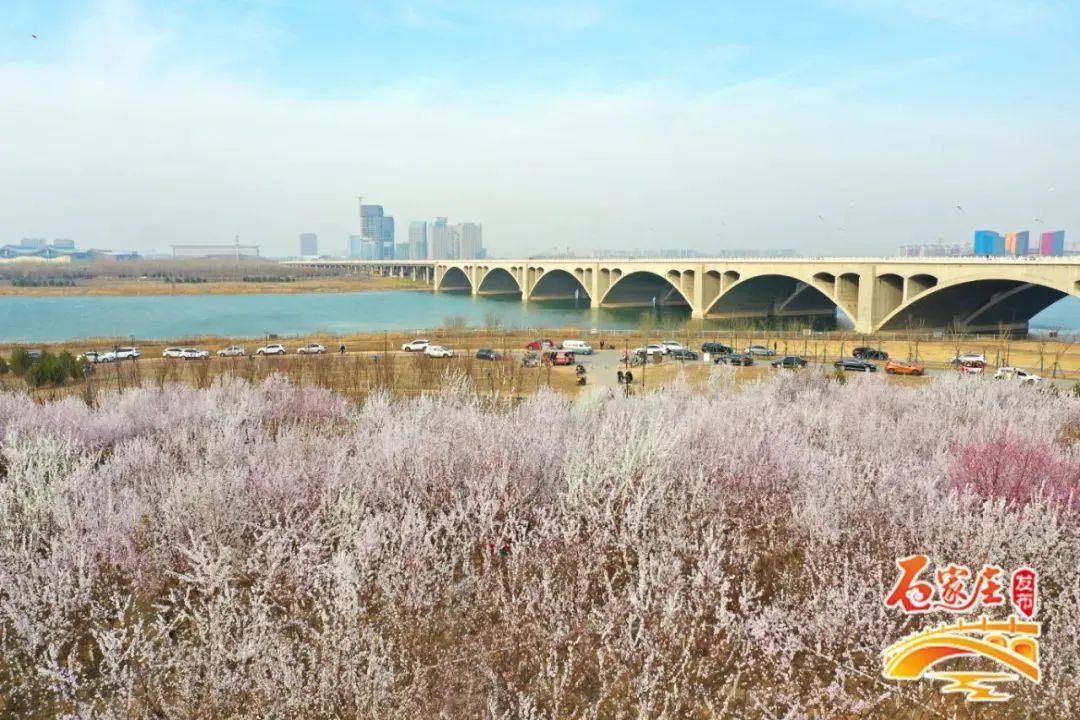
(1041, 355)
(131, 287)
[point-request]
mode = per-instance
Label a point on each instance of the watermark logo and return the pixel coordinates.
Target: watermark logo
(1010, 646)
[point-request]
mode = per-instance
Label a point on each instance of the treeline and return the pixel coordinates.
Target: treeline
(43, 282)
(268, 279)
(48, 369)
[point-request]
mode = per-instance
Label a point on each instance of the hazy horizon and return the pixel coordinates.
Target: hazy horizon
(827, 126)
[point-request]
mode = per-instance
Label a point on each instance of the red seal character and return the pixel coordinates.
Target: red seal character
(1023, 594)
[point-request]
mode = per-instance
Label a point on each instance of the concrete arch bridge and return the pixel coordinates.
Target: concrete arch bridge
(877, 294)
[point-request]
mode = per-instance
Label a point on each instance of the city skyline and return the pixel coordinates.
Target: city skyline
(824, 125)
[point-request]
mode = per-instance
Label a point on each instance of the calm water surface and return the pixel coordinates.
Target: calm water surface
(43, 319)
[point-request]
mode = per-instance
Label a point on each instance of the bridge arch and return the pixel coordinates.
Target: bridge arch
(640, 287)
(454, 279)
(776, 295)
(498, 281)
(977, 304)
(557, 284)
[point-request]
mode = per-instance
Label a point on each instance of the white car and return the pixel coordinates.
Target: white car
(1019, 374)
(93, 356)
(194, 354)
(763, 350)
(173, 352)
(969, 357)
(438, 351)
(274, 349)
(650, 350)
(578, 347)
(311, 349)
(415, 346)
(232, 351)
(127, 353)
(672, 346)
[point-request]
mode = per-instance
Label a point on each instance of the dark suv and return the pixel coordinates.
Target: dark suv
(715, 348)
(793, 362)
(869, 353)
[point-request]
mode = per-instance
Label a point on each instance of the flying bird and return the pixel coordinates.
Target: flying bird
(961, 209)
(34, 36)
(1038, 220)
(821, 218)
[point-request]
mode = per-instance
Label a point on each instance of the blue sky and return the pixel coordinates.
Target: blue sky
(735, 123)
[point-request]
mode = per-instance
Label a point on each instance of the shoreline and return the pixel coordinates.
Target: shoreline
(155, 288)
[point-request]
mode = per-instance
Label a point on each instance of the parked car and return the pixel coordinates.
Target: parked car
(736, 359)
(653, 349)
(486, 354)
(530, 359)
(562, 358)
(904, 367)
(311, 349)
(972, 367)
(173, 352)
(1019, 374)
(34, 355)
(683, 354)
(578, 347)
(127, 353)
(194, 354)
(854, 365)
(968, 357)
(272, 349)
(93, 356)
(438, 351)
(232, 351)
(790, 362)
(869, 353)
(671, 346)
(415, 346)
(541, 344)
(760, 350)
(715, 348)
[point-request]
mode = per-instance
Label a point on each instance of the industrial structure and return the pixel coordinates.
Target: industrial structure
(877, 294)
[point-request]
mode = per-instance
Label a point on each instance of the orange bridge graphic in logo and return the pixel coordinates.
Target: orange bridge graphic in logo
(1011, 644)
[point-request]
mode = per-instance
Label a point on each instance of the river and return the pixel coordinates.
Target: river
(47, 319)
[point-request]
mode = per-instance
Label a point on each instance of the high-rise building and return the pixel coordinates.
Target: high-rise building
(1052, 243)
(378, 229)
(1016, 243)
(386, 239)
(441, 242)
(988, 242)
(309, 245)
(418, 244)
(35, 243)
(64, 243)
(401, 251)
(470, 241)
(356, 244)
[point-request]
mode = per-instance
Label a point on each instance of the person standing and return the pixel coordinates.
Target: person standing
(629, 377)
(622, 378)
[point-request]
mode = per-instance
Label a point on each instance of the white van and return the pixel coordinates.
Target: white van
(578, 347)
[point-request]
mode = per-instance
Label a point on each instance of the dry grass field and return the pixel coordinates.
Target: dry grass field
(134, 286)
(374, 363)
